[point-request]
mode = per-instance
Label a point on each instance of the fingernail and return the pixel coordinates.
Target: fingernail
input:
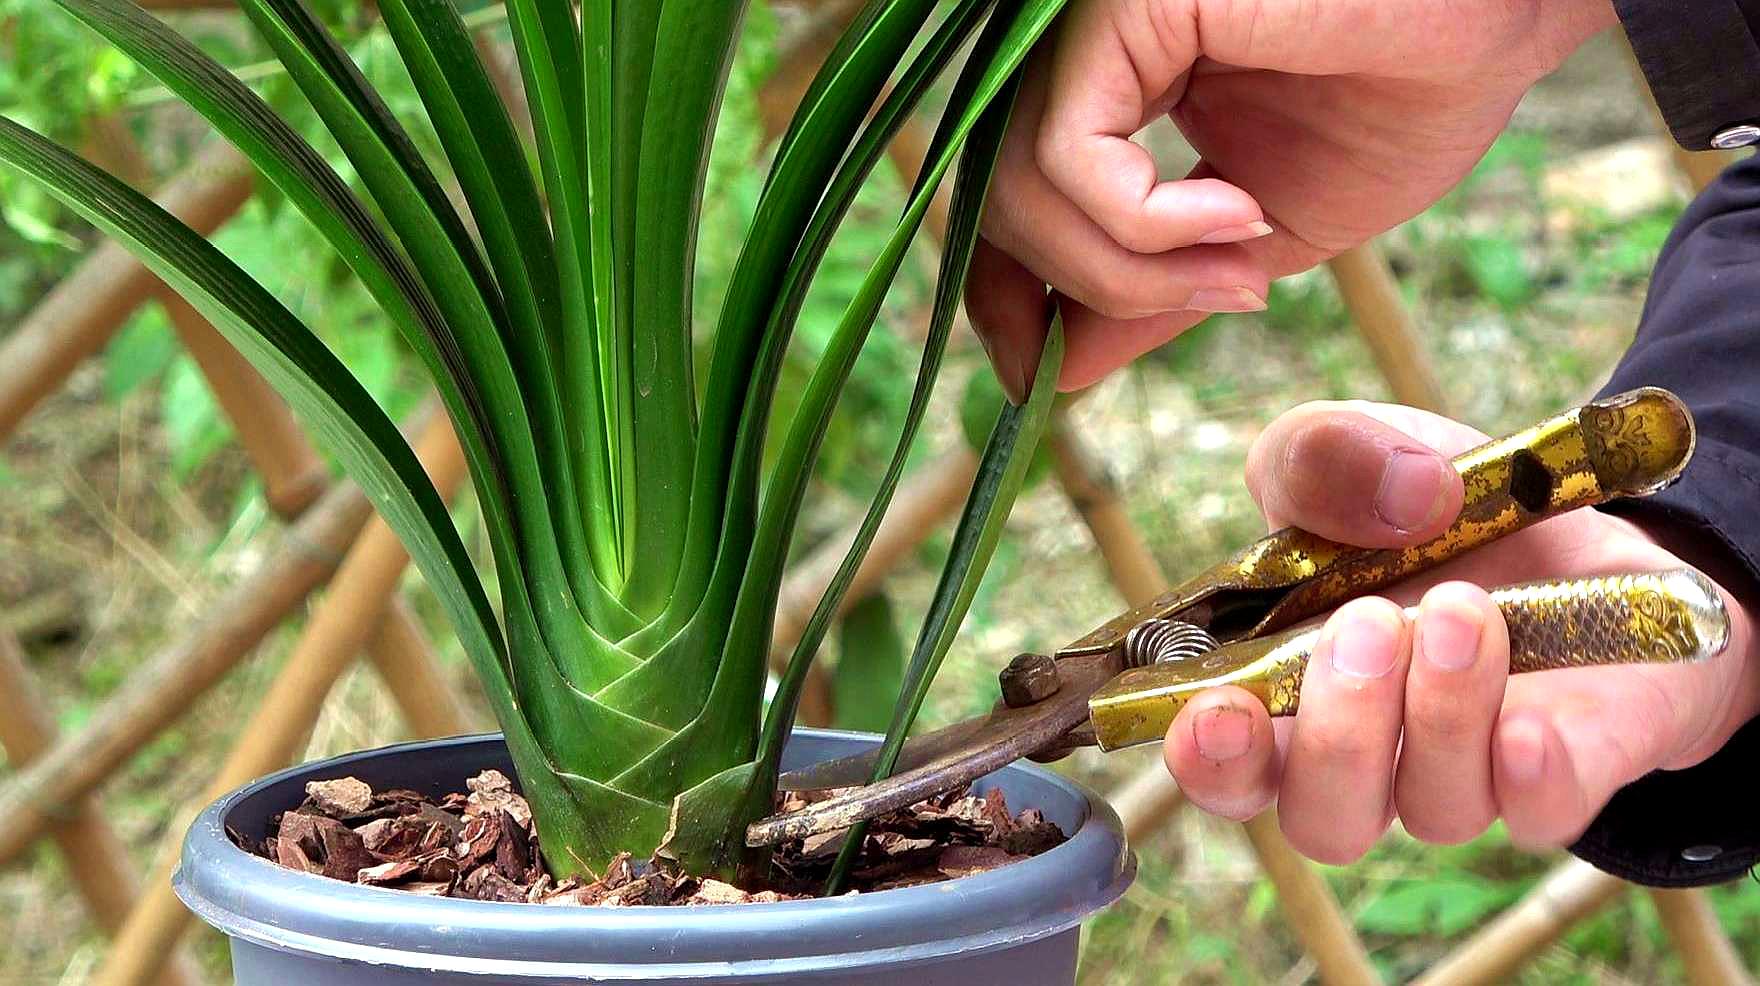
(1365, 642)
(1449, 637)
(1226, 300)
(1017, 387)
(1222, 733)
(1522, 744)
(1236, 234)
(1410, 496)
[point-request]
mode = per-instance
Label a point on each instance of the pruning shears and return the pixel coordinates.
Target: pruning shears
(1237, 623)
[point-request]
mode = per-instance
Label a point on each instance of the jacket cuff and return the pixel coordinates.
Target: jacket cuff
(1703, 65)
(1679, 828)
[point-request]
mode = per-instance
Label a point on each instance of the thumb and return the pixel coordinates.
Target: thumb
(1341, 471)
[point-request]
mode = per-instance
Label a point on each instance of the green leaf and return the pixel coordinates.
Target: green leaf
(548, 43)
(318, 386)
(587, 819)
(1001, 472)
(978, 408)
(194, 427)
(658, 221)
(829, 116)
(870, 665)
(1443, 906)
(139, 353)
(451, 266)
(1498, 268)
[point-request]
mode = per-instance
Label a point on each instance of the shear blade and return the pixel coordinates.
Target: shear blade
(939, 761)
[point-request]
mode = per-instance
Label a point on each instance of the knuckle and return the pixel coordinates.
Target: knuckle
(1445, 723)
(1109, 290)
(1341, 747)
(1304, 472)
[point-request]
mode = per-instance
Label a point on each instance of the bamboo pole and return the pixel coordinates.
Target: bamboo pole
(402, 656)
(159, 692)
(1146, 801)
(1367, 285)
(79, 316)
(293, 474)
(95, 857)
(1309, 907)
(1568, 895)
(930, 494)
(339, 629)
(1093, 492)
(1706, 953)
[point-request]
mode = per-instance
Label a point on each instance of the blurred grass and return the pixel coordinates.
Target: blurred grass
(1523, 304)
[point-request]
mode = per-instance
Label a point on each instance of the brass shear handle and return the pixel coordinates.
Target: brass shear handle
(1630, 444)
(1665, 617)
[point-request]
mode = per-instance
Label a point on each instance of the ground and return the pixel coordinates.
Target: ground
(108, 551)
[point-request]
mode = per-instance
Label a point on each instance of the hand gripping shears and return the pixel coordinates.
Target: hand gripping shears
(1237, 623)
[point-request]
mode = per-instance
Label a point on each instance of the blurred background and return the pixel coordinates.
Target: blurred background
(129, 506)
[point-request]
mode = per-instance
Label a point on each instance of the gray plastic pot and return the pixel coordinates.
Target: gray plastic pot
(1018, 925)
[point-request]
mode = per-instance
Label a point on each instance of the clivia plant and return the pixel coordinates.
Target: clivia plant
(637, 539)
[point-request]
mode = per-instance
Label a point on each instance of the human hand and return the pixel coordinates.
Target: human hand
(1421, 720)
(1319, 125)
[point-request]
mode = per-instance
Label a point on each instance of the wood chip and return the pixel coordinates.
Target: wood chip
(388, 873)
(483, 845)
(716, 892)
(958, 861)
(344, 797)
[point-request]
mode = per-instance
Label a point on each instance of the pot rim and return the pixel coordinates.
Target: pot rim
(251, 898)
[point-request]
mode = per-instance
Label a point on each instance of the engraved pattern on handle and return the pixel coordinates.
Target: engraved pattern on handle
(1652, 618)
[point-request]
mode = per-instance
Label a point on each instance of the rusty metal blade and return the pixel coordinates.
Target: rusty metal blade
(918, 750)
(942, 760)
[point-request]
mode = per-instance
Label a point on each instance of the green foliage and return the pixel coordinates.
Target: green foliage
(637, 522)
(1443, 904)
(139, 353)
(870, 665)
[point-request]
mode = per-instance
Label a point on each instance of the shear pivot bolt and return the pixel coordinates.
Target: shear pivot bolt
(1028, 679)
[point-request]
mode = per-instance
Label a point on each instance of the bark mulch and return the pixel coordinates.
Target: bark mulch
(482, 845)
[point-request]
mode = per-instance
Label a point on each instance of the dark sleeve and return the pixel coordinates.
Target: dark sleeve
(1700, 337)
(1702, 60)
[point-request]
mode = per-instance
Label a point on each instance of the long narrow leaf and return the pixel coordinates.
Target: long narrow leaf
(481, 143)
(747, 572)
(1001, 472)
(549, 45)
(450, 264)
(832, 114)
(967, 207)
(695, 43)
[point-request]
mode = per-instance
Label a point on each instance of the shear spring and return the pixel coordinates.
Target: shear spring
(1165, 641)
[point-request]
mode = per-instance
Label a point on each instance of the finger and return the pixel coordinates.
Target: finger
(1050, 236)
(1567, 740)
(1336, 794)
(1346, 476)
(1221, 750)
(1032, 221)
(1098, 345)
(1010, 312)
(1460, 659)
(1116, 66)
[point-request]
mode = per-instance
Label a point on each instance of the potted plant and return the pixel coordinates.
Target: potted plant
(636, 539)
